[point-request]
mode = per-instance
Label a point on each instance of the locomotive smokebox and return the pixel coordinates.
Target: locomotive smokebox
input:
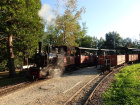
(40, 47)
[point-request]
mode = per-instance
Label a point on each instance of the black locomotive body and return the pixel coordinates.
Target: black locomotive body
(52, 62)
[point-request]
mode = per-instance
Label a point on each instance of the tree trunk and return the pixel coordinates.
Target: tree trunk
(11, 65)
(25, 60)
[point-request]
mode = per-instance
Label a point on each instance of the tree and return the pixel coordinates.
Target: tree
(101, 42)
(50, 36)
(21, 26)
(94, 42)
(81, 34)
(68, 25)
(86, 41)
(113, 40)
(135, 43)
(127, 42)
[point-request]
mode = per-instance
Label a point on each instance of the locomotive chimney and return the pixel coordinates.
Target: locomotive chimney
(40, 47)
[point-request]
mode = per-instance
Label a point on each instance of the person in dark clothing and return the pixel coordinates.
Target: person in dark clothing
(96, 60)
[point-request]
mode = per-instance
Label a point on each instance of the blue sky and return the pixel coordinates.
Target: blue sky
(103, 16)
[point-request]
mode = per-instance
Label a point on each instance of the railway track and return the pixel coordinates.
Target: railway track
(84, 95)
(91, 93)
(95, 97)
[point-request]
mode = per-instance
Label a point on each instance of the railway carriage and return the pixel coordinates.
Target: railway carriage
(109, 60)
(86, 56)
(137, 52)
(130, 54)
(121, 56)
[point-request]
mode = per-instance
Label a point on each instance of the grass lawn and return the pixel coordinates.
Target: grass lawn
(5, 80)
(126, 88)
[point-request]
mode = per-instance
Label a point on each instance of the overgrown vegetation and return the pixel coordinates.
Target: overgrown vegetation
(126, 88)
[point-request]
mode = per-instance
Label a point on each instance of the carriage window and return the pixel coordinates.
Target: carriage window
(91, 54)
(87, 53)
(72, 52)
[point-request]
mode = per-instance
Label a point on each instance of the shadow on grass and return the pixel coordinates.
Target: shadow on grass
(5, 80)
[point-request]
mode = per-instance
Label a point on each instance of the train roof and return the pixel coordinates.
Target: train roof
(107, 50)
(84, 48)
(125, 48)
(137, 50)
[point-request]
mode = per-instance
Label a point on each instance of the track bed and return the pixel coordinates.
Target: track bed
(54, 91)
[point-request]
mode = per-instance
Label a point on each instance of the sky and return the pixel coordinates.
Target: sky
(103, 16)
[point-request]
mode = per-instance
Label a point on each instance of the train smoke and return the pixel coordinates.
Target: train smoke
(46, 13)
(60, 62)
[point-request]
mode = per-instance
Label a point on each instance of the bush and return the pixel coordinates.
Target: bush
(3, 65)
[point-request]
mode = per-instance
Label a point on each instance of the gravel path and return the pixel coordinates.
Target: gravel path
(54, 91)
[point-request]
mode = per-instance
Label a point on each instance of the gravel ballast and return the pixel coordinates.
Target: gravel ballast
(54, 91)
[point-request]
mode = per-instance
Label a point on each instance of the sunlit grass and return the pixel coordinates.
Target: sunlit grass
(126, 88)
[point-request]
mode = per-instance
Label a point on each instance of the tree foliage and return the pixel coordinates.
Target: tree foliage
(67, 24)
(50, 37)
(112, 40)
(3, 54)
(101, 42)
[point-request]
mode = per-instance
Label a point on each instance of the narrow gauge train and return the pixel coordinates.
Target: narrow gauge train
(57, 59)
(120, 56)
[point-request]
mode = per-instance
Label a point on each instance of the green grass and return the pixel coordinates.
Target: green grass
(5, 80)
(126, 88)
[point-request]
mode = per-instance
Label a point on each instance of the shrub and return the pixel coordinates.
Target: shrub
(3, 65)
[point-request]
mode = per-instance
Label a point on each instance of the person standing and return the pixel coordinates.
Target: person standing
(96, 60)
